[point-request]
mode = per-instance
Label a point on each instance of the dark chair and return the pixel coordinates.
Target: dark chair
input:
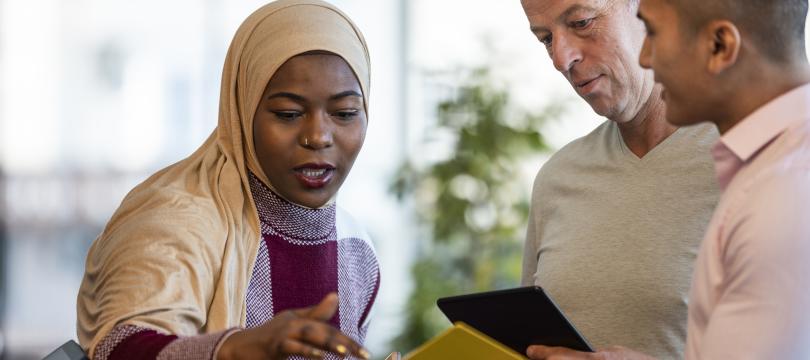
(68, 351)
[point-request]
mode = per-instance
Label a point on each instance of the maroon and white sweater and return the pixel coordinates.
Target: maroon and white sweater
(305, 254)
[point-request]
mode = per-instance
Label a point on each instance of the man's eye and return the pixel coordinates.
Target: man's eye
(581, 24)
(287, 115)
(546, 40)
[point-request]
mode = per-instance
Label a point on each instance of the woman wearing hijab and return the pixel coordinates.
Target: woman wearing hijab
(239, 251)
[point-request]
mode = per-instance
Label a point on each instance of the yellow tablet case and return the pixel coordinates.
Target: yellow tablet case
(463, 342)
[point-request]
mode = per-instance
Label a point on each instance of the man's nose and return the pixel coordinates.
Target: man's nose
(565, 53)
(644, 58)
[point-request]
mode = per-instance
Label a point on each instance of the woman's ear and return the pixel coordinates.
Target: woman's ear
(724, 45)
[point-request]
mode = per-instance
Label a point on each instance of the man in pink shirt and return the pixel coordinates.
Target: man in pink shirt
(742, 65)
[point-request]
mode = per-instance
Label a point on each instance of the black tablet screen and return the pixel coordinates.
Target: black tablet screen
(516, 318)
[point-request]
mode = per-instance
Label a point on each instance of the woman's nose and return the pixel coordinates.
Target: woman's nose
(316, 132)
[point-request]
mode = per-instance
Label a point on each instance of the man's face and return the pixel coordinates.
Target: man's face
(595, 45)
(673, 58)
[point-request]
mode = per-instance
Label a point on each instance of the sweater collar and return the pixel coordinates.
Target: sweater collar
(288, 219)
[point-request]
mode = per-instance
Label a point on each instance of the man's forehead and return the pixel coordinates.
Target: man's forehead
(656, 10)
(551, 9)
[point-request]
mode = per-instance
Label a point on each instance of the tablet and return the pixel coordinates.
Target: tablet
(463, 342)
(516, 318)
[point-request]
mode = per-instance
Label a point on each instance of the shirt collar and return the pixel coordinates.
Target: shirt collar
(766, 123)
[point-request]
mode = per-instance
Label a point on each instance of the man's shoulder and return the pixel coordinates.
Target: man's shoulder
(581, 149)
(783, 164)
(701, 137)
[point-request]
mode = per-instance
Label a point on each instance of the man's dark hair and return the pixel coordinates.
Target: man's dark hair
(776, 27)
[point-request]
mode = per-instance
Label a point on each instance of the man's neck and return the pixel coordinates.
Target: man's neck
(772, 82)
(648, 128)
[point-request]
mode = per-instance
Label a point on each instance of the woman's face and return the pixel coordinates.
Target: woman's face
(309, 127)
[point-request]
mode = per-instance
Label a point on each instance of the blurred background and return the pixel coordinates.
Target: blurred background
(95, 95)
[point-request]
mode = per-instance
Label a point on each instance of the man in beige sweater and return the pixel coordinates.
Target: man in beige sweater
(613, 232)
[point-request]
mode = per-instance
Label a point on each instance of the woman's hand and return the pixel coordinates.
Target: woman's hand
(304, 332)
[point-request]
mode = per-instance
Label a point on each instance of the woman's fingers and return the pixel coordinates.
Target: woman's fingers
(310, 326)
(326, 309)
(324, 336)
(295, 347)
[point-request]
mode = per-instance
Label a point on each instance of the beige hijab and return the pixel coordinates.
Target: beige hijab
(178, 253)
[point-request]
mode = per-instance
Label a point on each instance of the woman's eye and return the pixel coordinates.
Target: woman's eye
(347, 114)
(581, 24)
(287, 115)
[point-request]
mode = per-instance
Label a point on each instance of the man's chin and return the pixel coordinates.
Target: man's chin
(594, 102)
(602, 108)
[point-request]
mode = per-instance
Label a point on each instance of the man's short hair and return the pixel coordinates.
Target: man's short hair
(776, 27)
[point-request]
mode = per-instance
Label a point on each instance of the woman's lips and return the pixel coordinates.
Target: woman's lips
(314, 176)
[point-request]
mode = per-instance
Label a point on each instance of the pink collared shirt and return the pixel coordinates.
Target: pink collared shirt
(750, 296)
